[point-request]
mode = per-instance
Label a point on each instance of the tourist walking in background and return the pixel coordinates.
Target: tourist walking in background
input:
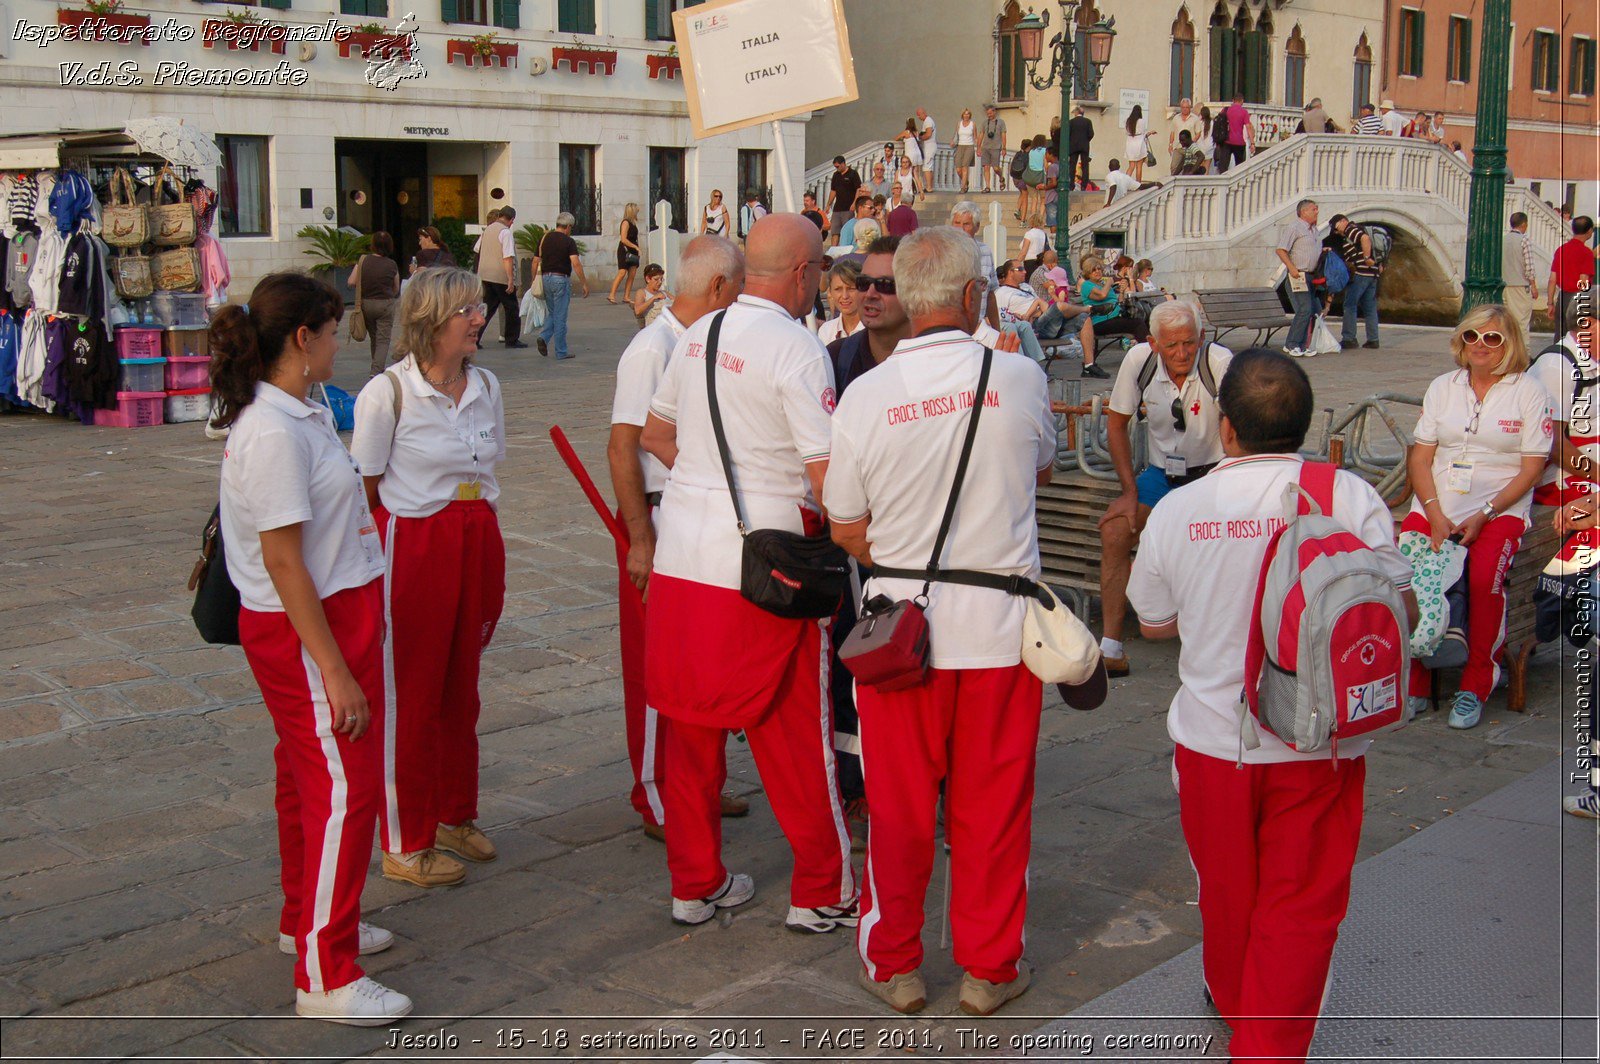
(1080, 132)
(1361, 291)
(627, 254)
(1184, 121)
(1138, 142)
(910, 139)
(429, 434)
(993, 148)
(1369, 124)
(1234, 147)
(497, 271)
(965, 146)
(303, 552)
(928, 134)
(1520, 284)
(1481, 446)
(1204, 141)
(843, 188)
(902, 221)
(751, 213)
(377, 276)
(1394, 123)
(1572, 269)
(714, 220)
(1300, 249)
(882, 180)
(430, 251)
(558, 263)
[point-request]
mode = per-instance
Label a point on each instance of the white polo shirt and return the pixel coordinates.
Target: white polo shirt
(896, 441)
(439, 446)
(639, 374)
(1198, 561)
(1014, 302)
(1560, 378)
(775, 390)
(1512, 422)
(1200, 443)
(833, 328)
(284, 465)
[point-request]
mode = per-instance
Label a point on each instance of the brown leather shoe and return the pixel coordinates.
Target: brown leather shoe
(655, 831)
(425, 868)
(732, 806)
(465, 840)
(1116, 668)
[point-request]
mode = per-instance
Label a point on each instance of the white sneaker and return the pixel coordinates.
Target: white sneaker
(821, 921)
(736, 890)
(372, 940)
(1586, 805)
(362, 1003)
(1294, 352)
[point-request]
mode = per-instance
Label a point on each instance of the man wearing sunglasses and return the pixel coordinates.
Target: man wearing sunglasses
(1032, 318)
(1176, 390)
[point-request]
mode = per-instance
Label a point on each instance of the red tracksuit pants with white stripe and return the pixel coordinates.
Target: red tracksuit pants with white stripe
(977, 730)
(444, 587)
(717, 663)
(1489, 559)
(1273, 846)
(642, 722)
(330, 787)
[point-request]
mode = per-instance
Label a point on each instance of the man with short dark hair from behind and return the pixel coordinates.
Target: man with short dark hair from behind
(1272, 832)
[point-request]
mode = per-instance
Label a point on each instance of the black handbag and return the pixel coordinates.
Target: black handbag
(216, 600)
(630, 260)
(785, 573)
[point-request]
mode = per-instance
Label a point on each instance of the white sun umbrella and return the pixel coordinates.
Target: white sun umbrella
(177, 142)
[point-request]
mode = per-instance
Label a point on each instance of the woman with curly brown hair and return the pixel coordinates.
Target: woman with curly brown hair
(303, 551)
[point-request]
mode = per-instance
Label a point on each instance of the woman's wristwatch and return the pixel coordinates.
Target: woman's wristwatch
(1489, 511)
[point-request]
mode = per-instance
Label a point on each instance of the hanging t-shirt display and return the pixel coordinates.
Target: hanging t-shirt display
(91, 371)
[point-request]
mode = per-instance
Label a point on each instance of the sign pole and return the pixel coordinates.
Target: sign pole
(783, 166)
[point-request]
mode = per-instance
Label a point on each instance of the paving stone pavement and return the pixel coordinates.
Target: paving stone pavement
(138, 873)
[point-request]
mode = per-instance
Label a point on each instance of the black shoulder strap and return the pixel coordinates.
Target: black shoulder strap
(1147, 372)
(961, 466)
(1583, 383)
(712, 336)
(1208, 375)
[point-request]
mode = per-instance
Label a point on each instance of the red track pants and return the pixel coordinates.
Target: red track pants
(1273, 846)
(793, 748)
(978, 730)
(329, 787)
(1489, 559)
(639, 717)
(444, 587)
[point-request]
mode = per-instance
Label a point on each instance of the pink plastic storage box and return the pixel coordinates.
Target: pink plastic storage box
(143, 374)
(188, 372)
(133, 410)
(135, 341)
(192, 405)
(186, 343)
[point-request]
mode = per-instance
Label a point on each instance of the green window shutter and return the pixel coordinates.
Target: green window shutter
(449, 11)
(507, 13)
(575, 16)
(1222, 61)
(352, 7)
(652, 21)
(279, 5)
(1466, 50)
(1252, 66)
(1417, 39)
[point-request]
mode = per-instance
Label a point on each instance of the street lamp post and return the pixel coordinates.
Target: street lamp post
(1487, 199)
(1030, 40)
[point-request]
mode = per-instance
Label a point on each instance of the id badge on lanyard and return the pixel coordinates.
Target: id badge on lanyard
(1176, 466)
(1459, 478)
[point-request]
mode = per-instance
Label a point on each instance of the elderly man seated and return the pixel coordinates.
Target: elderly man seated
(1032, 318)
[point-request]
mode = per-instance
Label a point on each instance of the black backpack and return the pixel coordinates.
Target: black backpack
(1584, 383)
(1208, 376)
(1219, 128)
(1019, 162)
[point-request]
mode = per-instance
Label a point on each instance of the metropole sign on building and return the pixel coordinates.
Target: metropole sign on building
(749, 62)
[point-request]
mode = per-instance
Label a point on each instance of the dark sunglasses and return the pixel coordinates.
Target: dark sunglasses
(1178, 418)
(1490, 340)
(885, 285)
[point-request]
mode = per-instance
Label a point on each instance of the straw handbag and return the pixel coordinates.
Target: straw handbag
(174, 223)
(358, 317)
(177, 270)
(132, 275)
(124, 223)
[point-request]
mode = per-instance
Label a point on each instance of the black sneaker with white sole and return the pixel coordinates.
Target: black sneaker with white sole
(821, 921)
(736, 890)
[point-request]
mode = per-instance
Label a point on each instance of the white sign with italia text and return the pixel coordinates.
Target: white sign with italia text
(748, 62)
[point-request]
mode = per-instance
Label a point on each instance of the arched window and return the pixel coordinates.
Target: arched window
(1228, 33)
(1086, 79)
(1012, 80)
(1361, 83)
(1182, 79)
(1294, 71)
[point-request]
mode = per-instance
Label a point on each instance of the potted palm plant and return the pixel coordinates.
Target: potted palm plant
(337, 249)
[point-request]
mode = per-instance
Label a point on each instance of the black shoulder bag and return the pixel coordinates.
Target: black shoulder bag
(216, 600)
(785, 573)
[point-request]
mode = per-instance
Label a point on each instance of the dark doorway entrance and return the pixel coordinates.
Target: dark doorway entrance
(383, 185)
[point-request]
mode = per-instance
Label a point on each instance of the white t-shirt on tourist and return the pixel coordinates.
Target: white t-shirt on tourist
(639, 374)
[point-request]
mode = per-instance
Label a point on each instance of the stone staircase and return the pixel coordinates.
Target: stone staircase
(935, 210)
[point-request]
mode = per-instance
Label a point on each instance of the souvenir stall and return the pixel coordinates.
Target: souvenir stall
(109, 269)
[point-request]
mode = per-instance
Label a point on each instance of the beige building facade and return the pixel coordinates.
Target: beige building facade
(1279, 53)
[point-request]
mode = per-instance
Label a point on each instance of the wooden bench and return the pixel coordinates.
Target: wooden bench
(1229, 309)
(1069, 530)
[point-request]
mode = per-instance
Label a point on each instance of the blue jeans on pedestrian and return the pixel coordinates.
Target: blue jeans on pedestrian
(1360, 298)
(1306, 307)
(557, 297)
(1029, 341)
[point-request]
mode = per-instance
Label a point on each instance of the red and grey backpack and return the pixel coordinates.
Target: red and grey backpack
(1329, 648)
